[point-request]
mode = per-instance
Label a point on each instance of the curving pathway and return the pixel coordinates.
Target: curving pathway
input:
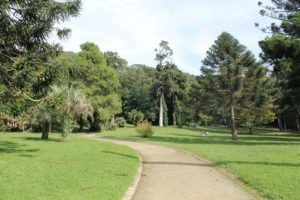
(168, 174)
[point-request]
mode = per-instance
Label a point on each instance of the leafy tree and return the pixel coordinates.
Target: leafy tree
(137, 86)
(225, 65)
(163, 57)
(26, 69)
(256, 104)
(282, 51)
(24, 29)
(99, 83)
(171, 81)
(115, 61)
(175, 82)
(135, 116)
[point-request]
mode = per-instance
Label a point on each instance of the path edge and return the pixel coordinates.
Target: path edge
(133, 187)
(234, 178)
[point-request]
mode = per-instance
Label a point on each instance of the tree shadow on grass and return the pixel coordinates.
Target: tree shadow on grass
(224, 140)
(209, 129)
(119, 154)
(41, 140)
(221, 163)
(243, 131)
(246, 138)
(11, 147)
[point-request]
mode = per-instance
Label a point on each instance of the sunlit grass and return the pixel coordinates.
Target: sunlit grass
(268, 162)
(75, 170)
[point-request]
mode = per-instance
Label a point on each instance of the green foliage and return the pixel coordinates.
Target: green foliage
(205, 119)
(171, 82)
(144, 129)
(24, 49)
(138, 91)
(64, 106)
(115, 61)
(231, 73)
(111, 126)
(27, 69)
(121, 122)
(104, 93)
(282, 51)
(256, 103)
(135, 116)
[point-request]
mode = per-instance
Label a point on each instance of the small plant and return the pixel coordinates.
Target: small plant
(144, 129)
(121, 122)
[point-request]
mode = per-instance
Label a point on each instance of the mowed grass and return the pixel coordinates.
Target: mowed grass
(74, 170)
(269, 163)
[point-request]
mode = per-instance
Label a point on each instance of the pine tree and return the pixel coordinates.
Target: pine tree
(224, 67)
(282, 51)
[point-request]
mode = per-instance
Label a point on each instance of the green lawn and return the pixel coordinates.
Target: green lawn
(268, 163)
(31, 169)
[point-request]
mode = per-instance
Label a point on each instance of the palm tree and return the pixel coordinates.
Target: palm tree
(64, 105)
(77, 107)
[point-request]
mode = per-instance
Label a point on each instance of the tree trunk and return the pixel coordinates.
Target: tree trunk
(284, 125)
(232, 118)
(112, 120)
(81, 125)
(251, 130)
(280, 123)
(174, 119)
(161, 111)
(298, 124)
(95, 123)
(95, 126)
(46, 129)
(298, 120)
(174, 99)
(80, 121)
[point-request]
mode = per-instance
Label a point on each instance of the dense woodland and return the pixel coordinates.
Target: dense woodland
(43, 88)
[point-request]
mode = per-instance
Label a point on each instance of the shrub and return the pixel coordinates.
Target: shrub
(121, 122)
(192, 125)
(135, 116)
(111, 126)
(144, 129)
(35, 127)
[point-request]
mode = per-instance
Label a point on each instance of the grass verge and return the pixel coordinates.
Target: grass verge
(77, 169)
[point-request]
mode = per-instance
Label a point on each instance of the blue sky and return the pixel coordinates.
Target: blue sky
(134, 28)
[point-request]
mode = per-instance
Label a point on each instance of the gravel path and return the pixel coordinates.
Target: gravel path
(168, 174)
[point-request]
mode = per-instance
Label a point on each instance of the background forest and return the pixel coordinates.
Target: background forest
(44, 88)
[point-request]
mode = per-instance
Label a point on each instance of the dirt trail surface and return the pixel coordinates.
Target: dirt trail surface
(168, 174)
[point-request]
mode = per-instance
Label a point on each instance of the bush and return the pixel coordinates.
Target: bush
(121, 122)
(192, 125)
(136, 116)
(144, 129)
(111, 127)
(35, 127)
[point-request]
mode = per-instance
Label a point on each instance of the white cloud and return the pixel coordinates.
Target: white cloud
(134, 28)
